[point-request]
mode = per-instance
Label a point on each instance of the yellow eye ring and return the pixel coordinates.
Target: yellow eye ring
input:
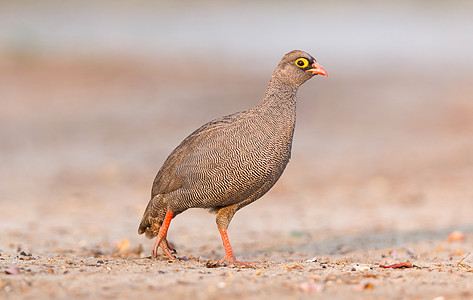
(302, 63)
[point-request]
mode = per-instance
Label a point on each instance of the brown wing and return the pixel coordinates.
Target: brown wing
(166, 180)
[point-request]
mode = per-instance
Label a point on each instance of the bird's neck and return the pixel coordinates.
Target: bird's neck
(278, 109)
(279, 96)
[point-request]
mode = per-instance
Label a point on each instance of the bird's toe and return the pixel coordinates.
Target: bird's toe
(231, 261)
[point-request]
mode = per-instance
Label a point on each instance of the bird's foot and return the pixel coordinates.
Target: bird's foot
(161, 241)
(167, 248)
(227, 260)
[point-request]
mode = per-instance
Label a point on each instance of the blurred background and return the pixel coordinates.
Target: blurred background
(95, 94)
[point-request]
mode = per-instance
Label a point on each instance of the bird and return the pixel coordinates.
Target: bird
(231, 161)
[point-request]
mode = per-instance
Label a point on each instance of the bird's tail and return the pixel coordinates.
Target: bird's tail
(153, 217)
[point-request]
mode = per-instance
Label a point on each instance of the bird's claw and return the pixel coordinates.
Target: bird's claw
(167, 248)
(171, 248)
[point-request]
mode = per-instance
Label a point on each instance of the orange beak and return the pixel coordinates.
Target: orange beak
(317, 69)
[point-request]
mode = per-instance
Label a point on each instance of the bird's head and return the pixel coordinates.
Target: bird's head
(296, 67)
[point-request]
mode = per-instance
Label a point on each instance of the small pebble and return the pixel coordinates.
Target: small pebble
(362, 268)
(13, 270)
(456, 236)
(410, 251)
(312, 260)
(363, 287)
(310, 287)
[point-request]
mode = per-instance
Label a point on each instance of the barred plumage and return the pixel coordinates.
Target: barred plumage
(232, 161)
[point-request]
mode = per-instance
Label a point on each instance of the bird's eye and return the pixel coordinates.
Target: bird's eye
(302, 63)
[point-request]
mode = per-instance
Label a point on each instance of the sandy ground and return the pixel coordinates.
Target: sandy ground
(381, 173)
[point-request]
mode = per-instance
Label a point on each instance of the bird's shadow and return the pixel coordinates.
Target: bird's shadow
(371, 240)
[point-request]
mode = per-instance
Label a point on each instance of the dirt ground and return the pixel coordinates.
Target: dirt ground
(381, 173)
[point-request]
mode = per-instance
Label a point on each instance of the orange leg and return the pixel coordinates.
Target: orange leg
(229, 258)
(161, 239)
